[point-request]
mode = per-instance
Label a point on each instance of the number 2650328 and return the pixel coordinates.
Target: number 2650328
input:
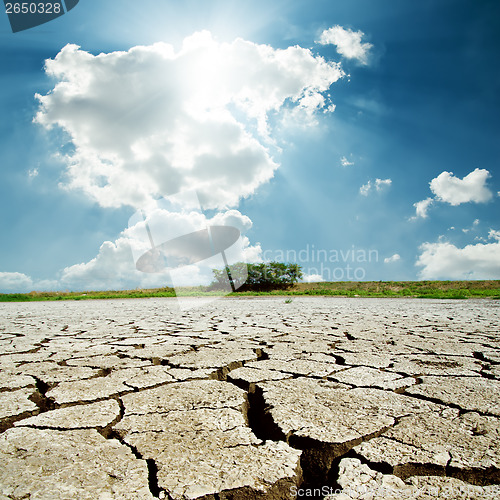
(33, 8)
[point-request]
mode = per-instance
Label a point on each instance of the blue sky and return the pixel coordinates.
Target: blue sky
(367, 130)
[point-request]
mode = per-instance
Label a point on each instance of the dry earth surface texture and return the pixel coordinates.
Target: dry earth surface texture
(250, 398)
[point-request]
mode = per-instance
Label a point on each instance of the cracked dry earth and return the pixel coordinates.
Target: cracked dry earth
(250, 398)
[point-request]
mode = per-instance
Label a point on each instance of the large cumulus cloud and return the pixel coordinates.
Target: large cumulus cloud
(153, 121)
(443, 260)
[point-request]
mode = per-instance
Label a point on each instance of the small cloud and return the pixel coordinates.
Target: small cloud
(345, 162)
(473, 227)
(33, 173)
(347, 42)
(381, 183)
(312, 278)
(450, 189)
(368, 105)
(365, 188)
(421, 208)
(494, 235)
(455, 191)
(378, 185)
(392, 258)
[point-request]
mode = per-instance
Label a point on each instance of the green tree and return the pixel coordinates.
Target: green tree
(259, 277)
(236, 272)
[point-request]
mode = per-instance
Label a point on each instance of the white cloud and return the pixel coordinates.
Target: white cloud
(421, 208)
(392, 258)
(15, 282)
(443, 260)
(368, 105)
(112, 269)
(453, 190)
(365, 188)
(475, 223)
(305, 112)
(347, 42)
(152, 121)
(378, 185)
(345, 162)
(312, 278)
(114, 266)
(381, 183)
(493, 234)
(33, 173)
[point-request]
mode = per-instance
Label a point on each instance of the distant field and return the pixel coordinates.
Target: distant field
(417, 289)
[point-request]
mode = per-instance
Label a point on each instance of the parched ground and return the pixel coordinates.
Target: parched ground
(250, 398)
